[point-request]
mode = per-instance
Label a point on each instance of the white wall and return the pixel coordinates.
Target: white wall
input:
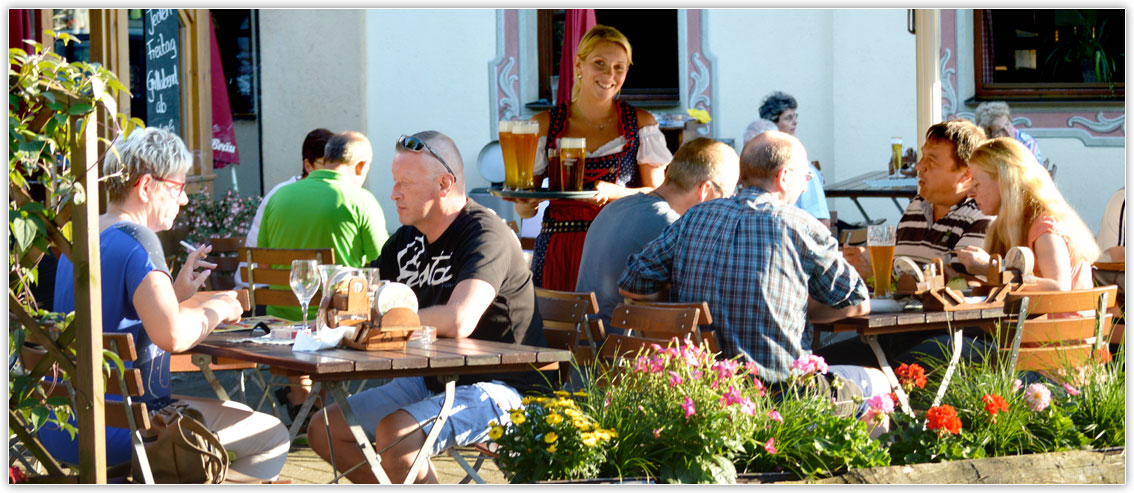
(427, 70)
(312, 75)
(852, 72)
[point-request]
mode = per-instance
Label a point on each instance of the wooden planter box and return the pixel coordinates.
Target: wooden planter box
(1099, 466)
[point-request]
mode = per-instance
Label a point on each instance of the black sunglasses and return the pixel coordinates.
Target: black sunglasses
(415, 144)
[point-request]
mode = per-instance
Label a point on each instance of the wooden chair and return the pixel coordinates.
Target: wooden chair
(1038, 342)
(644, 325)
(124, 414)
(272, 266)
(704, 320)
(224, 275)
(567, 310)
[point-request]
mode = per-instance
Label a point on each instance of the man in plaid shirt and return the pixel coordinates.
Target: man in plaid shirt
(764, 266)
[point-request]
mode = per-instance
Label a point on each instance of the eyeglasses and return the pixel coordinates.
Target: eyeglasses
(178, 186)
(721, 190)
(415, 144)
(794, 117)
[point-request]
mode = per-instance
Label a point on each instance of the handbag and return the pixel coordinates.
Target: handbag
(182, 449)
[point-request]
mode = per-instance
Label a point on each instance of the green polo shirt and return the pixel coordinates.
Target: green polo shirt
(324, 210)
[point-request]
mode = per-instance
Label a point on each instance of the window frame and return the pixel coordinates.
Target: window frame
(1035, 91)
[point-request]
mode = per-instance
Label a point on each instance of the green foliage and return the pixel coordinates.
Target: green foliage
(206, 218)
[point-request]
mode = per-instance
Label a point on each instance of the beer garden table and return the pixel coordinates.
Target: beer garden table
(332, 368)
(866, 185)
(870, 326)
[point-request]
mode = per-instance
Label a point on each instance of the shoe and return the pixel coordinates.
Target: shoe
(292, 409)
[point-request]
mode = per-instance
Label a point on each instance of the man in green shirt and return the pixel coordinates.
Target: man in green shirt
(328, 209)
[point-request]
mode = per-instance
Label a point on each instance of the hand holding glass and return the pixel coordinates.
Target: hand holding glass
(304, 283)
(880, 242)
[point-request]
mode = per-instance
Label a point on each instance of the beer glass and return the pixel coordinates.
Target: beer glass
(572, 160)
(508, 149)
(554, 173)
(526, 141)
(880, 242)
(895, 155)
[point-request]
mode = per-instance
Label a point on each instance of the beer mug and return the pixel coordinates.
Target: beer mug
(895, 155)
(508, 149)
(880, 242)
(526, 139)
(572, 160)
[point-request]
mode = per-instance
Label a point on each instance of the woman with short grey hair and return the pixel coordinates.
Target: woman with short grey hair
(995, 118)
(779, 108)
(146, 174)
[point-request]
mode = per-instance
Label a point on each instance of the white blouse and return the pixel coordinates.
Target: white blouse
(651, 149)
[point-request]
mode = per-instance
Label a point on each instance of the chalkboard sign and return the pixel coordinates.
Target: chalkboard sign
(163, 85)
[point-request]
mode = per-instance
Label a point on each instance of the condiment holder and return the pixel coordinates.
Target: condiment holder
(350, 305)
(1004, 277)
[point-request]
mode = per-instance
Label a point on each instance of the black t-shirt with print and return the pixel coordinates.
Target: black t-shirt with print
(478, 245)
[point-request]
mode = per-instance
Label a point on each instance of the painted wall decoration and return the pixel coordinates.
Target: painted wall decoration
(1092, 127)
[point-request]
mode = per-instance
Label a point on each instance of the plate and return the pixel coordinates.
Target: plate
(883, 305)
(541, 193)
(490, 162)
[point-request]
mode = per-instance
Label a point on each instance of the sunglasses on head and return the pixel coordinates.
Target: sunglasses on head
(415, 144)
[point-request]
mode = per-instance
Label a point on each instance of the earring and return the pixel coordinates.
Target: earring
(579, 76)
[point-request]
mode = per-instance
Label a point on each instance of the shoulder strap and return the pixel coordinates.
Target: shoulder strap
(149, 241)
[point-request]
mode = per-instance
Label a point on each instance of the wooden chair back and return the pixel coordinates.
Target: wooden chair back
(643, 325)
(1049, 333)
(705, 319)
(568, 310)
(559, 338)
(224, 275)
(272, 266)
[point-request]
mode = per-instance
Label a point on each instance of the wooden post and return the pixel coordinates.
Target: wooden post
(197, 97)
(87, 379)
(927, 25)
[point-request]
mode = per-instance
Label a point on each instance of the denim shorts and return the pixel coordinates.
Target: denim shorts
(474, 407)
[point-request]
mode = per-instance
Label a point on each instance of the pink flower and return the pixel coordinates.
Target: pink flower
(696, 374)
(1038, 396)
(770, 447)
(747, 406)
(657, 433)
(657, 365)
(1070, 390)
(1017, 384)
(641, 364)
(752, 368)
(775, 416)
(656, 347)
(674, 379)
(688, 407)
(882, 403)
(725, 369)
(731, 397)
(759, 386)
(810, 364)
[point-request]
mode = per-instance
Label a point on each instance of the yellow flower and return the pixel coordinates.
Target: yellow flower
(526, 400)
(541, 400)
(588, 439)
(554, 419)
(580, 424)
(602, 434)
(550, 437)
(574, 413)
(580, 394)
(518, 418)
(496, 432)
(562, 393)
(551, 448)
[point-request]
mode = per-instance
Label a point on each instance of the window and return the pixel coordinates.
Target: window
(1023, 54)
(238, 48)
(654, 76)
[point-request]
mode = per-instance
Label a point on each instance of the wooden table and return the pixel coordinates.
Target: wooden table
(869, 327)
(332, 368)
(855, 188)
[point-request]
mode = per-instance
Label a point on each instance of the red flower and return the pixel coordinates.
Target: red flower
(894, 397)
(911, 374)
(943, 419)
(994, 404)
(16, 475)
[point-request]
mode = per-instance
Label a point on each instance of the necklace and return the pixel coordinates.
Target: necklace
(600, 127)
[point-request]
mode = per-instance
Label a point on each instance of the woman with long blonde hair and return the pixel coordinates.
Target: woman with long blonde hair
(1009, 182)
(626, 154)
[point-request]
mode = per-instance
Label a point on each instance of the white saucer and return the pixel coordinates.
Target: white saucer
(883, 305)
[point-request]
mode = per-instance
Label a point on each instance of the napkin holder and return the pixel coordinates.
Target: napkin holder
(1002, 280)
(384, 332)
(932, 277)
(349, 305)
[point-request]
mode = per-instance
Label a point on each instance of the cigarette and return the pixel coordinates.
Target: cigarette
(188, 246)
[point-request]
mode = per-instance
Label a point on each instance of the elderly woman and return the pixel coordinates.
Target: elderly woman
(626, 154)
(778, 113)
(996, 120)
(1009, 183)
(146, 187)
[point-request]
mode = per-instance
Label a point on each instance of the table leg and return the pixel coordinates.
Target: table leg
(372, 458)
(860, 209)
(202, 361)
(953, 359)
(442, 417)
(303, 410)
(898, 205)
(872, 341)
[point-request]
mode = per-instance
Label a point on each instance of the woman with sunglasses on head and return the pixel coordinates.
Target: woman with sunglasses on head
(146, 188)
(626, 154)
(1030, 212)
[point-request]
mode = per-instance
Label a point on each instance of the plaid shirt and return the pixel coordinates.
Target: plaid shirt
(754, 260)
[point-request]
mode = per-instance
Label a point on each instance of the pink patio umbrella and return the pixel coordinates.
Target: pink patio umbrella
(577, 23)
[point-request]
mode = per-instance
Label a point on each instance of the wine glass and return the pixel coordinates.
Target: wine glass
(304, 283)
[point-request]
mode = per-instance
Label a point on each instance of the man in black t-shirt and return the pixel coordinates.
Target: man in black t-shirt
(471, 280)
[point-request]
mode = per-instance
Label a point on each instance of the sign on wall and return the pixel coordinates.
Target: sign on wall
(163, 85)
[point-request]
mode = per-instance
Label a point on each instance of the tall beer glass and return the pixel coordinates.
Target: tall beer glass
(572, 160)
(508, 149)
(526, 135)
(895, 155)
(880, 242)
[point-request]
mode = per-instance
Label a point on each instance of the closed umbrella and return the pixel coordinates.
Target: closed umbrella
(577, 23)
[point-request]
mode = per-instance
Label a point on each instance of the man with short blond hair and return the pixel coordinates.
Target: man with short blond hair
(702, 169)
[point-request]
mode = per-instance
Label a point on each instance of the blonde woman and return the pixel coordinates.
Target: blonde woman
(626, 154)
(1008, 181)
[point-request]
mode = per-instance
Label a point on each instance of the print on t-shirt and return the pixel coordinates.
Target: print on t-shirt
(412, 273)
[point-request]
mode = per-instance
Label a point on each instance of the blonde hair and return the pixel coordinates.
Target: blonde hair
(988, 111)
(1026, 193)
(596, 35)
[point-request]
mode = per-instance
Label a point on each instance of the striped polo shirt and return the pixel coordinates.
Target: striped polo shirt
(922, 239)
